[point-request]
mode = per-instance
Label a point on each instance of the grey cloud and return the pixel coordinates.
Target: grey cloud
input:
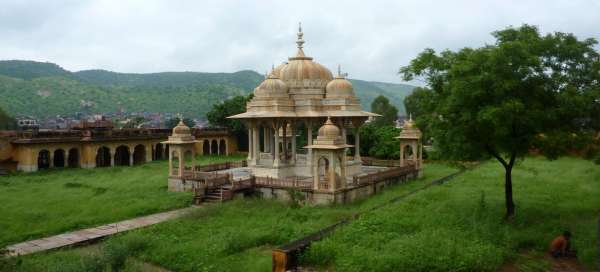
(370, 39)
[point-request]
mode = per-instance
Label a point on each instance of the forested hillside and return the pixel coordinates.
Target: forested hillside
(46, 89)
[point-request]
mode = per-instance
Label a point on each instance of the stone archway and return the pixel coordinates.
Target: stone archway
(175, 163)
(103, 157)
(205, 147)
(214, 147)
(323, 169)
(222, 147)
(158, 152)
(139, 154)
(122, 156)
(408, 152)
(43, 159)
(73, 158)
(59, 158)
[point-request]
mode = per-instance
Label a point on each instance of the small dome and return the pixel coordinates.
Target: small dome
(271, 87)
(339, 87)
(277, 70)
(181, 129)
(329, 130)
(408, 124)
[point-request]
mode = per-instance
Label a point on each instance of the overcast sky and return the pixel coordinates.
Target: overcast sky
(370, 39)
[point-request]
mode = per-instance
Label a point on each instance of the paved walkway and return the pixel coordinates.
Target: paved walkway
(90, 234)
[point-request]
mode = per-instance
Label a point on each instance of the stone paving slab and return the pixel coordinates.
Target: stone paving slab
(80, 236)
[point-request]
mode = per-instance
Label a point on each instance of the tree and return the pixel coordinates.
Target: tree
(495, 100)
(420, 105)
(389, 113)
(6, 121)
(379, 141)
(219, 112)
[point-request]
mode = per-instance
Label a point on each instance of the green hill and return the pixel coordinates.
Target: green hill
(46, 89)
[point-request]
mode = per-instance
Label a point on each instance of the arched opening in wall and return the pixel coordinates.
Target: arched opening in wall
(214, 147)
(122, 156)
(103, 157)
(206, 147)
(262, 147)
(158, 152)
(43, 159)
(175, 163)
(408, 153)
(338, 171)
(222, 147)
(187, 162)
(139, 154)
(323, 169)
(73, 158)
(59, 158)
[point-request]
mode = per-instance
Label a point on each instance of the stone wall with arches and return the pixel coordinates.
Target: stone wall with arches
(38, 156)
(215, 145)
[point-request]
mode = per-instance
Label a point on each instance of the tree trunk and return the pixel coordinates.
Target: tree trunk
(510, 205)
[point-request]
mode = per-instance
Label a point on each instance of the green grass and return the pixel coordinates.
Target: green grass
(234, 236)
(458, 226)
(39, 204)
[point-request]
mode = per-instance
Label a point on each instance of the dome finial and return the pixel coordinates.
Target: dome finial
(339, 70)
(180, 117)
(300, 41)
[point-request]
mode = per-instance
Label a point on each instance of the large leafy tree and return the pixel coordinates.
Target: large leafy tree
(497, 99)
(420, 104)
(219, 112)
(389, 113)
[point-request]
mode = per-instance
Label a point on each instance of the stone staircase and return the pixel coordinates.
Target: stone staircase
(218, 194)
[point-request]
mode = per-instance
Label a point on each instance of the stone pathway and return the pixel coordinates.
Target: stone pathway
(90, 234)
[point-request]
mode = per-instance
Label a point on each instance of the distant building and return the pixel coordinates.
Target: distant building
(97, 143)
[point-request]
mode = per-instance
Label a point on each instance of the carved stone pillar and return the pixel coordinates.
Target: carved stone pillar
(293, 143)
(276, 155)
(356, 145)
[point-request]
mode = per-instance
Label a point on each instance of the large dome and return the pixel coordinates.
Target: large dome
(301, 67)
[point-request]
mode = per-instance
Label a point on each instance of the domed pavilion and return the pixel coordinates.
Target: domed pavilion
(300, 94)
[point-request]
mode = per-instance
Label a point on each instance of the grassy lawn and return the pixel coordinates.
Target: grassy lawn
(39, 204)
(459, 227)
(234, 236)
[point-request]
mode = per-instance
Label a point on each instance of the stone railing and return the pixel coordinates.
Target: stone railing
(396, 172)
(289, 182)
(221, 166)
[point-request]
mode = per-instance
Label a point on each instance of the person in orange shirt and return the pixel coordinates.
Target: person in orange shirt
(561, 246)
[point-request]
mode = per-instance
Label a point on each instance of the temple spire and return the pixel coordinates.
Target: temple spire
(300, 41)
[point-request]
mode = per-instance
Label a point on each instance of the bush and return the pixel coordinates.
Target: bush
(116, 251)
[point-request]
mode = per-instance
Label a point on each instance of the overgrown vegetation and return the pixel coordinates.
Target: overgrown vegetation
(456, 226)
(234, 236)
(50, 202)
